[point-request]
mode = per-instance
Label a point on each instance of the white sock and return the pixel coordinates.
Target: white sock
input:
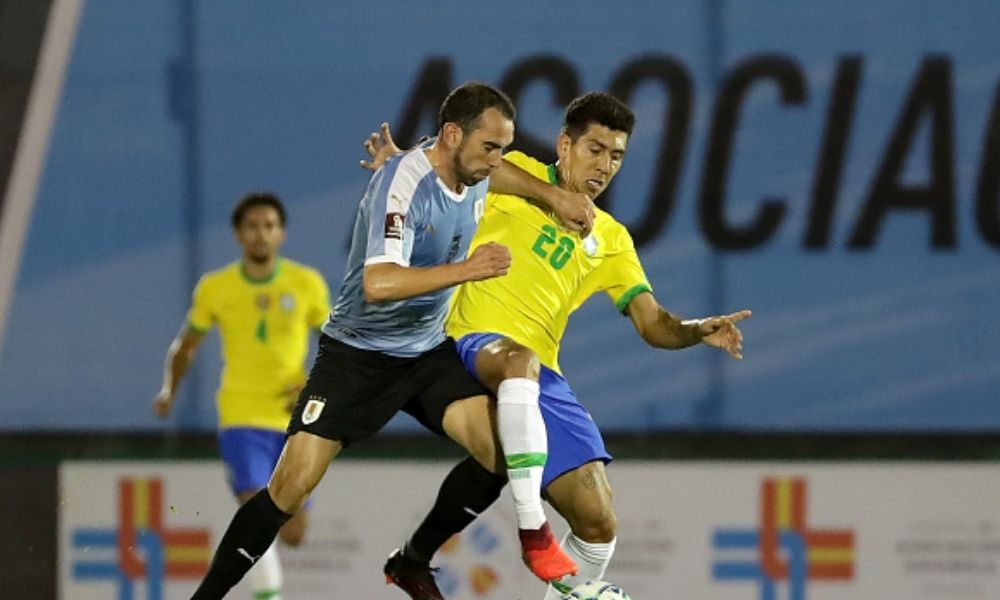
(525, 447)
(591, 559)
(265, 576)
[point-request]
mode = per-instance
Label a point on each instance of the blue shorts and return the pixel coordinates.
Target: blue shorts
(574, 439)
(250, 455)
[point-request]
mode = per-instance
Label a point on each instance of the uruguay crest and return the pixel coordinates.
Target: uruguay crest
(314, 407)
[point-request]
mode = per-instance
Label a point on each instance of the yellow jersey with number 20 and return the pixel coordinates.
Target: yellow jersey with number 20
(553, 271)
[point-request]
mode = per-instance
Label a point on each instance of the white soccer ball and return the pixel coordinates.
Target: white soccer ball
(597, 590)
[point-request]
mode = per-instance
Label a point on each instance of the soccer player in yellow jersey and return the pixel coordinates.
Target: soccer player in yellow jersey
(265, 307)
(509, 329)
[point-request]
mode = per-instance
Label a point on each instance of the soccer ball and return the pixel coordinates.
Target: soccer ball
(597, 590)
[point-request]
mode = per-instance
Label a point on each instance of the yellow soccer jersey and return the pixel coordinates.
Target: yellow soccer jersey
(552, 274)
(264, 327)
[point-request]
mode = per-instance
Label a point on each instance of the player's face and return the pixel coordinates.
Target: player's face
(480, 152)
(260, 233)
(590, 163)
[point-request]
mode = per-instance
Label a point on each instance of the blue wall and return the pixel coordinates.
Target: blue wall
(875, 312)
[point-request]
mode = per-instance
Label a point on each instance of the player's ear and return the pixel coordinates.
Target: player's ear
(563, 144)
(452, 134)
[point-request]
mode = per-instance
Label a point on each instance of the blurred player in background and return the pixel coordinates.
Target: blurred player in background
(508, 330)
(265, 307)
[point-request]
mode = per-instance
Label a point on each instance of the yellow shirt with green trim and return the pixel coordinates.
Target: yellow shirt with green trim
(553, 271)
(264, 326)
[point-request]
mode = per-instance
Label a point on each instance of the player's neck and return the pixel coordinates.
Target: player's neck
(257, 270)
(444, 167)
(562, 181)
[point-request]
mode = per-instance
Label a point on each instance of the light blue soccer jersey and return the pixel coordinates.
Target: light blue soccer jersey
(407, 216)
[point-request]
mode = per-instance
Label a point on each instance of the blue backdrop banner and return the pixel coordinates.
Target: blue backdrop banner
(835, 167)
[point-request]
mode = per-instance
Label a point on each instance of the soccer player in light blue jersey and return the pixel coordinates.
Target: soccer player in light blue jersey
(384, 348)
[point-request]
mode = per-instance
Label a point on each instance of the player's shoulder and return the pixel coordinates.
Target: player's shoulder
(221, 275)
(218, 282)
(292, 266)
(613, 232)
(412, 164)
(526, 162)
(520, 158)
(301, 271)
(404, 173)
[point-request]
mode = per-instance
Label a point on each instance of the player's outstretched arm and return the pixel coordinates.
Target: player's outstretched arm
(386, 282)
(179, 357)
(574, 210)
(661, 329)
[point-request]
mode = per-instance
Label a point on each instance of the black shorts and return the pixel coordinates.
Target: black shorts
(352, 393)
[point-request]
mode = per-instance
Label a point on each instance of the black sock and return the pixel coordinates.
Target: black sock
(468, 486)
(250, 534)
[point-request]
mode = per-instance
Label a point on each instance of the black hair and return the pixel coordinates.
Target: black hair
(466, 103)
(258, 199)
(597, 107)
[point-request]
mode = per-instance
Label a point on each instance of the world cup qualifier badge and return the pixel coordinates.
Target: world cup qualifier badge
(314, 407)
(394, 225)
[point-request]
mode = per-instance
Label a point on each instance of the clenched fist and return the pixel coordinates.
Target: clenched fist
(487, 261)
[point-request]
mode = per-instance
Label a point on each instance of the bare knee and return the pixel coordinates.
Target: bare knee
(302, 464)
(521, 362)
(506, 359)
(289, 492)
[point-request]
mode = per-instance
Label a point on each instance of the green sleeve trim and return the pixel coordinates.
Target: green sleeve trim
(622, 303)
(197, 329)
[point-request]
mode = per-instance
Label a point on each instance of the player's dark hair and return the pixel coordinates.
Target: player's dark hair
(597, 107)
(466, 103)
(258, 199)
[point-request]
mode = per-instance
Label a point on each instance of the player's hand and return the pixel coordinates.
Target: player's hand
(163, 403)
(575, 210)
(722, 332)
(487, 261)
(379, 146)
(291, 394)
